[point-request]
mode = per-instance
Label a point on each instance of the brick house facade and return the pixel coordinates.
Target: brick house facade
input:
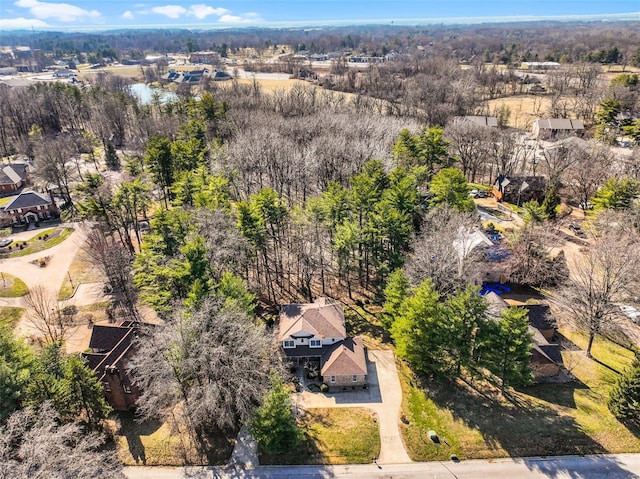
(28, 207)
(13, 177)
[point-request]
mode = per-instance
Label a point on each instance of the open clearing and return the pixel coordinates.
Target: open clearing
(542, 420)
(524, 109)
(334, 436)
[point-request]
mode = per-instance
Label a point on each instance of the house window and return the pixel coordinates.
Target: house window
(333, 379)
(107, 387)
(127, 389)
(19, 210)
(354, 378)
(288, 343)
(315, 343)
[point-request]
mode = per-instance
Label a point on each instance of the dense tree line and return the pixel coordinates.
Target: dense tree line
(498, 43)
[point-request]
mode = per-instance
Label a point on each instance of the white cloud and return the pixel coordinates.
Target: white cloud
(59, 11)
(128, 14)
(250, 17)
(202, 11)
(18, 23)
(171, 11)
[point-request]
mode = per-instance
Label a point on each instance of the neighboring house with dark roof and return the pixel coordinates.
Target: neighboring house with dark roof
(541, 318)
(28, 207)
(550, 127)
(192, 76)
(519, 189)
(546, 360)
(13, 177)
(111, 347)
(315, 333)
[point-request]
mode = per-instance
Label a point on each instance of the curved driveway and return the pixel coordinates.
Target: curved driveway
(384, 396)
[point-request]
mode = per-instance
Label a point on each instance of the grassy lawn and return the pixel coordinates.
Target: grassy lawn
(9, 316)
(334, 436)
(81, 271)
(163, 444)
(12, 287)
(545, 419)
(35, 245)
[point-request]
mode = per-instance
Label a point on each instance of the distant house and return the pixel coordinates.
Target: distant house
(490, 121)
(541, 65)
(205, 57)
(519, 189)
(28, 207)
(550, 127)
(319, 57)
(111, 347)
(220, 75)
(192, 76)
(13, 177)
(546, 360)
(64, 74)
(314, 333)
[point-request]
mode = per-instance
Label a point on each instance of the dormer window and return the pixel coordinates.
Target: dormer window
(315, 343)
(289, 343)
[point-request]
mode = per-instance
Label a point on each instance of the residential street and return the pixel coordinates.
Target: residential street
(620, 466)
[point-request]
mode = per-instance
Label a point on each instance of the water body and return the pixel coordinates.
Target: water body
(145, 94)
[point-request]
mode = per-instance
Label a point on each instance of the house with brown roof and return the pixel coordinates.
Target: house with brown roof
(13, 177)
(111, 347)
(344, 364)
(28, 207)
(315, 333)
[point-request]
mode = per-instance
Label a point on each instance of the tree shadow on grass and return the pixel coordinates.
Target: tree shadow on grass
(357, 324)
(132, 430)
(520, 427)
(308, 450)
(216, 447)
(559, 394)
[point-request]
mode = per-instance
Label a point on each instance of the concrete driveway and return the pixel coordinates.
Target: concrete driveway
(384, 396)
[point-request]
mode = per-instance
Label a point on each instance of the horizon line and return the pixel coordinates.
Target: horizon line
(417, 22)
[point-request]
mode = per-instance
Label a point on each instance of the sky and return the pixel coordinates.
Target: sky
(74, 15)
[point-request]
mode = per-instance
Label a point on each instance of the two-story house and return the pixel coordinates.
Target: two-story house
(315, 333)
(28, 207)
(111, 349)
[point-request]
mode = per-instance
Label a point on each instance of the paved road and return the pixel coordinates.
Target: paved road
(384, 396)
(620, 466)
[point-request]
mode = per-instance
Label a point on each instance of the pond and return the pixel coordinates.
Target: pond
(145, 93)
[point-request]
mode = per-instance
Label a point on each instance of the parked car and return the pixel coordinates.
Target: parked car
(5, 242)
(477, 194)
(630, 312)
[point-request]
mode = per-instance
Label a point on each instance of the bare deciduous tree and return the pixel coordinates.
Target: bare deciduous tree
(45, 314)
(213, 362)
(605, 274)
(36, 445)
(446, 253)
(115, 262)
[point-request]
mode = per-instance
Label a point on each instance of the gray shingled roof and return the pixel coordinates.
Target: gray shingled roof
(13, 174)
(28, 199)
(559, 124)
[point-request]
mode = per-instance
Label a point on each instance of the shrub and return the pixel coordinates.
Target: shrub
(624, 398)
(324, 388)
